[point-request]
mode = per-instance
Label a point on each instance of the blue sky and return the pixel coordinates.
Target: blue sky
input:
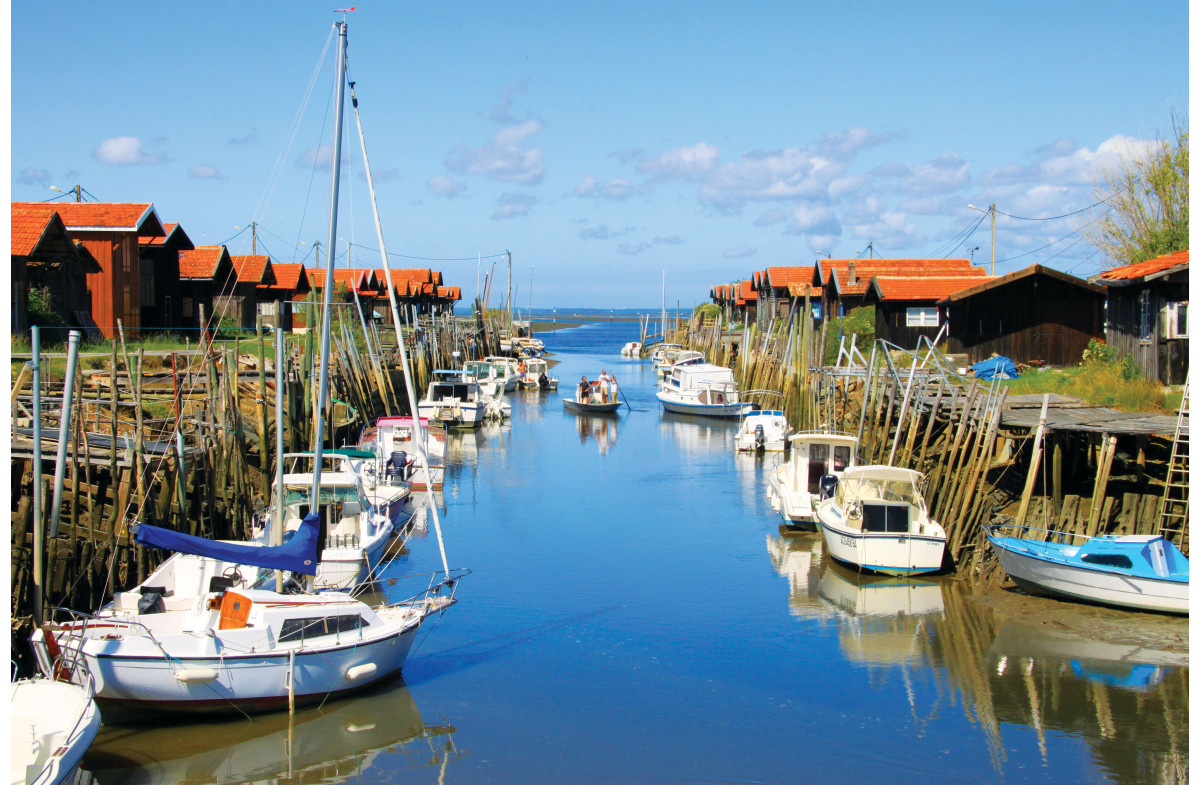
(603, 143)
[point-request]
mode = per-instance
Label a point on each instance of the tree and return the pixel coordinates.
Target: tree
(1147, 199)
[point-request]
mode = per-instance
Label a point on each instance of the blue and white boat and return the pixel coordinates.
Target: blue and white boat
(702, 388)
(1141, 572)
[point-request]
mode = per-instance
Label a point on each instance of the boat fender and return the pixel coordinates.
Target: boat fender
(360, 671)
(196, 675)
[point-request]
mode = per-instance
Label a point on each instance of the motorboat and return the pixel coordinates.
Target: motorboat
(492, 377)
(595, 401)
(535, 375)
(762, 430)
(794, 486)
(453, 399)
(356, 531)
(389, 498)
(875, 519)
(391, 440)
(664, 352)
(1135, 571)
(508, 369)
(53, 723)
(221, 643)
(631, 349)
(702, 388)
(679, 357)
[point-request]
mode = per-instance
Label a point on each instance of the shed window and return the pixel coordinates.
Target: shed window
(1145, 316)
(921, 317)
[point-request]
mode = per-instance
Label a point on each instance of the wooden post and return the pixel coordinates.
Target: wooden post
(1107, 450)
(1035, 459)
(264, 455)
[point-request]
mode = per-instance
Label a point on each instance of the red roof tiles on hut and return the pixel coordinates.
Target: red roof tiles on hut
(201, 263)
(1147, 268)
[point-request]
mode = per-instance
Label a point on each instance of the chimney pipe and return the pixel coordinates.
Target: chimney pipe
(853, 279)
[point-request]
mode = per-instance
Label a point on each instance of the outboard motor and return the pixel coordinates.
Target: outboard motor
(543, 381)
(759, 438)
(829, 484)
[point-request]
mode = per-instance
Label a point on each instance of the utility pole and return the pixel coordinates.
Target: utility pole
(994, 239)
(253, 238)
(510, 302)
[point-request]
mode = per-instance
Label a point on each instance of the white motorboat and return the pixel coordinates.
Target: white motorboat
(702, 388)
(454, 400)
(794, 486)
(391, 440)
(1139, 572)
(876, 520)
(678, 357)
(664, 352)
(631, 349)
(491, 377)
(762, 430)
(535, 375)
(508, 369)
(52, 725)
(219, 646)
(356, 531)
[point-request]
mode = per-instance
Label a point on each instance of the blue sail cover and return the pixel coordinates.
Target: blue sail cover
(298, 554)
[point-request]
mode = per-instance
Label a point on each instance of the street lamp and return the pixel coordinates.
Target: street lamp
(991, 210)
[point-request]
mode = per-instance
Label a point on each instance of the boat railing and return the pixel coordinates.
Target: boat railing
(437, 581)
(68, 664)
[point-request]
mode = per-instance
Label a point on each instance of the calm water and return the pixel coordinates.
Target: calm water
(635, 616)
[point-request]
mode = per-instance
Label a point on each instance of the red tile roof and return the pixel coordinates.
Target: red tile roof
(923, 288)
(836, 272)
(255, 269)
(780, 277)
(978, 286)
(29, 227)
(798, 289)
(1146, 268)
(202, 262)
(289, 277)
(449, 293)
(103, 216)
(747, 291)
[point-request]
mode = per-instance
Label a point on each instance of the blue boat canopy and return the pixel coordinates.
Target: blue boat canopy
(298, 554)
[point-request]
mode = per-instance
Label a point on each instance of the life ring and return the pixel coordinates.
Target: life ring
(854, 510)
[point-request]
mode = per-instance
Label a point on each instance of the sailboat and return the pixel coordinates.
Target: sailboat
(212, 637)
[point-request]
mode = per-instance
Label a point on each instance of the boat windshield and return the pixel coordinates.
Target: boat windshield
(336, 494)
(875, 489)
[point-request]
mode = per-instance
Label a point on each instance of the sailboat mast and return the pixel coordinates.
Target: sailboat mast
(327, 305)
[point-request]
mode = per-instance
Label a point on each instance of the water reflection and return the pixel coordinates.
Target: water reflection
(694, 434)
(1125, 695)
(380, 730)
(601, 428)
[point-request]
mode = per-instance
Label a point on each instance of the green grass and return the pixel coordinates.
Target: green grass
(1099, 384)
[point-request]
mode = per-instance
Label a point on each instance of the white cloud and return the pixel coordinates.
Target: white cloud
(441, 185)
(318, 156)
(741, 252)
(673, 239)
(814, 219)
(602, 232)
(503, 159)
(501, 111)
(205, 172)
(770, 217)
(632, 249)
(513, 206)
(125, 151)
(590, 187)
(941, 175)
(32, 176)
(683, 163)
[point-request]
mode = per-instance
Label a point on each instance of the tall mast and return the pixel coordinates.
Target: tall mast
(418, 432)
(336, 169)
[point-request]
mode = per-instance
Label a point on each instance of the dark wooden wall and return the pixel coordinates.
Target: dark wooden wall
(1033, 318)
(1158, 358)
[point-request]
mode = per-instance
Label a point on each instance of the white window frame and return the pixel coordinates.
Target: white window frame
(1146, 317)
(920, 316)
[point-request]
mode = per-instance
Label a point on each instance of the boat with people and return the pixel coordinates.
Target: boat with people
(794, 487)
(875, 519)
(1134, 571)
(392, 441)
(535, 375)
(221, 641)
(52, 724)
(702, 388)
(453, 399)
(601, 396)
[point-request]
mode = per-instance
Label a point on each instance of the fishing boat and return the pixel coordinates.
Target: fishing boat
(794, 487)
(231, 645)
(664, 352)
(1135, 571)
(454, 400)
(507, 367)
(492, 377)
(356, 531)
(762, 430)
(631, 349)
(535, 375)
(53, 723)
(702, 388)
(391, 441)
(875, 519)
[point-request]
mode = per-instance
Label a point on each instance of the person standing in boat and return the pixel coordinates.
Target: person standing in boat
(585, 390)
(612, 387)
(604, 386)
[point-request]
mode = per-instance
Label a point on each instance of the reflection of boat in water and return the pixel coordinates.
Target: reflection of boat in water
(333, 743)
(602, 428)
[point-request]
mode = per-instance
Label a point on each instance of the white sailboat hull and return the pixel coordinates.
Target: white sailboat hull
(883, 552)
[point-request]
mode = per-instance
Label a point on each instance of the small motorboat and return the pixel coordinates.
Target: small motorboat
(53, 724)
(631, 349)
(591, 407)
(535, 375)
(454, 399)
(1137, 571)
(763, 430)
(794, 486)
(875, 519)
(701, 388)
(391, 440)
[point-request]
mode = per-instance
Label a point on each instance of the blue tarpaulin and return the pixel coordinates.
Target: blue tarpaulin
(298, 554)
(997, 367)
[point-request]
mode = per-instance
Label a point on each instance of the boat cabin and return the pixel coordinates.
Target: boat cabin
(881, 498)
(819, 454)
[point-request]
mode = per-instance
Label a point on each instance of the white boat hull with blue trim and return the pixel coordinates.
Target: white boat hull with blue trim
(674, 404)
(1156, 578)
(876, 521)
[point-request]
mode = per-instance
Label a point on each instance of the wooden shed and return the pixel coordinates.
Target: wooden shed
(843, 282)
(161, 290)
(44, 255)
(907, 308)
(110, 232)
(1147, 315)
(1035, 314)
(240, 302)
(205, 271)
